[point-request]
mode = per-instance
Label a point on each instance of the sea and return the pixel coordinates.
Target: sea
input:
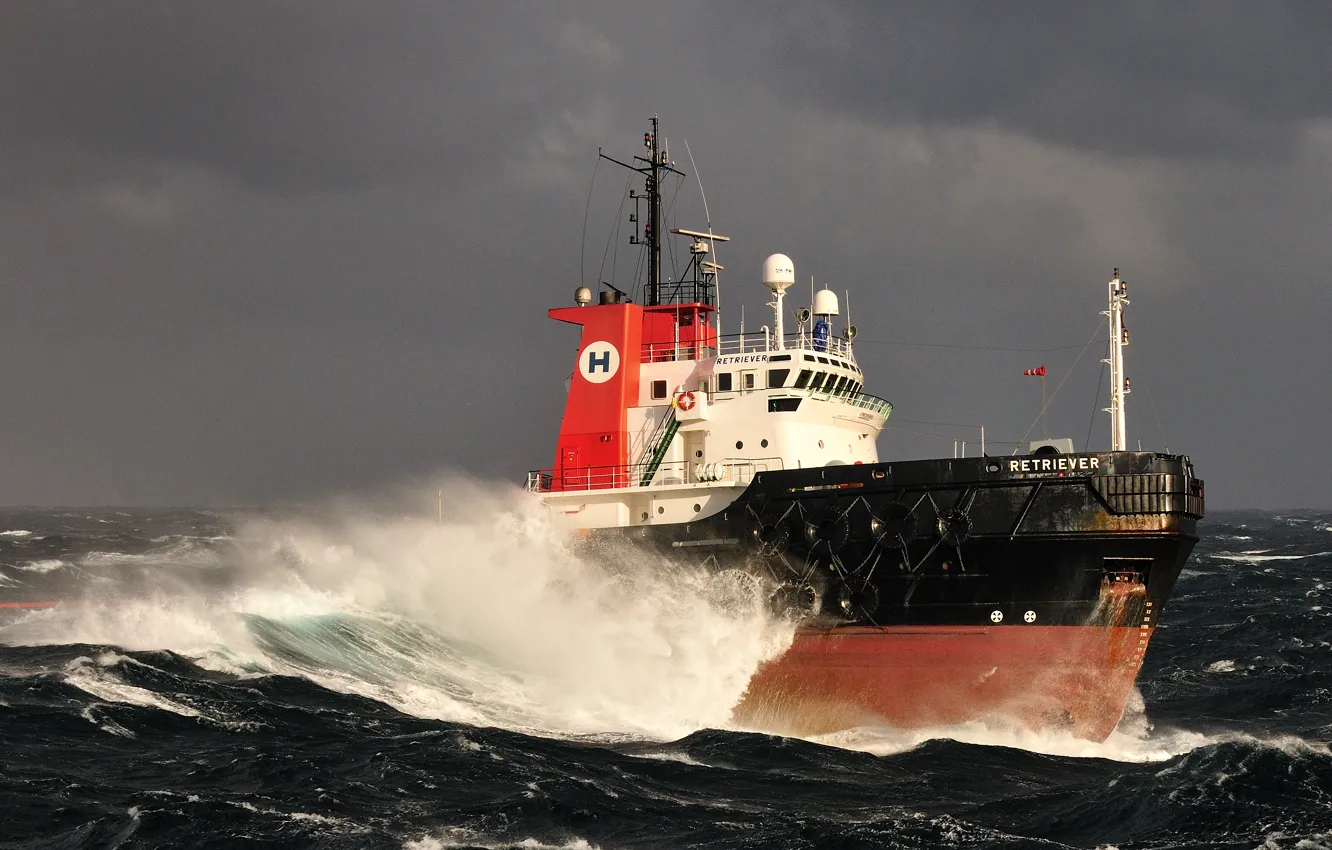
(439, 668)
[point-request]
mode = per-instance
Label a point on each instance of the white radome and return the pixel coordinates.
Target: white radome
(778, 272)
(825, 303)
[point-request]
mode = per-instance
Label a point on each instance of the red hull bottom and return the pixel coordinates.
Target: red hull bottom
(1072, 678)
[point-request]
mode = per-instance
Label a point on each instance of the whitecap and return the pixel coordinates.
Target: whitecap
(1257, 556)
(18, 532)
(47, 565)
(459, 837)
(1223, 666)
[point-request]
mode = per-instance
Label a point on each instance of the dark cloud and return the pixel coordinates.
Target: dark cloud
(1137, 79)
(256, 250)
(309, 95)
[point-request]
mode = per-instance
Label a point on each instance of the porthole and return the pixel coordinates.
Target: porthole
(697, 507)
(645, 516)
(820, 444)
(661, 510)
(764, 444)
(698, 453)
(739, 444)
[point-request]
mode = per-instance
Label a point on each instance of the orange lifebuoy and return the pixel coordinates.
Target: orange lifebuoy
(685, 401)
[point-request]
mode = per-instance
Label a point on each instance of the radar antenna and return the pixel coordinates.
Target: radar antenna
(653, 167)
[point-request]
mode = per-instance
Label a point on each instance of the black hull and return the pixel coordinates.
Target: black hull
(965, 541)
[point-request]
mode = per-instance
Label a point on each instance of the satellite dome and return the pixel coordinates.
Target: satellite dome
(778, 272)
(825, 303)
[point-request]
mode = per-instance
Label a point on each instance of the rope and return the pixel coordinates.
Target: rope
(615, 237)
(582, 252)
(1096, 399)
(860, 341)
(1159, 429)
(1061, 385)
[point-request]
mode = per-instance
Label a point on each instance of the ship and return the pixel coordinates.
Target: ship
(1019, 588)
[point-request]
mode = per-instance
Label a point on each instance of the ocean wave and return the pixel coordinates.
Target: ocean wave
(457, 837)
(1260, 556)
(18, 532)
(488, 620)
(46, 565)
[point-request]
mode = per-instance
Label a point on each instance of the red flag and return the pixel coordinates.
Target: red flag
(1039, 371)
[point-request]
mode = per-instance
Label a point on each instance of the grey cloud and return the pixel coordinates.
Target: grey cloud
(253, 250)
(1137, 79)
(307, 95)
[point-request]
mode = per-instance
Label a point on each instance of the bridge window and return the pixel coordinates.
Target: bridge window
(747, 380)
(841, 385)
(823, 359)
(724, 382)
(818, 380)
(779, 358)
(658, 389)
(803, 380)
(783, 405)
(777, 378)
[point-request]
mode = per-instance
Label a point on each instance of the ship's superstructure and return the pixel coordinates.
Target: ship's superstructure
(928, 591)
(667, 420)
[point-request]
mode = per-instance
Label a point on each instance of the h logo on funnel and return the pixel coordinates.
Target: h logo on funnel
(599, 361)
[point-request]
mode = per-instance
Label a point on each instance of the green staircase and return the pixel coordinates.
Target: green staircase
(659, 449)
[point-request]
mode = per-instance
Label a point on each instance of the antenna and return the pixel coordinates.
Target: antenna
(716, 278)
(652, 169)
(778, 275)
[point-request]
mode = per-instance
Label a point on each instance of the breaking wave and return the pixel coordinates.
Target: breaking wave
(488, 618)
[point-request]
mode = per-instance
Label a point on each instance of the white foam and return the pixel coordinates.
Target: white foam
(1224, 666)
(487, 619)
(91, 676)
(1257, 556)
(459, 837)
(18, 532)
(46, 565)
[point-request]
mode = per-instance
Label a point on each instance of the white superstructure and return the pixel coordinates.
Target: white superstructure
(707, 418)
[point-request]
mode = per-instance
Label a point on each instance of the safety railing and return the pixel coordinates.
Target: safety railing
(765, 341)
(667, 352)
(869, 402)
(760, 342)
(734, 470)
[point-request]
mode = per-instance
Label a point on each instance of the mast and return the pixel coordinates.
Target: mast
(654, 166)
(654, 202)
(1119, 385)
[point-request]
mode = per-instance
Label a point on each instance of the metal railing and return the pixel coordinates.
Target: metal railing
(765, 341)
(760, 342)
(734, 471)
(883, 407)
(667, 352)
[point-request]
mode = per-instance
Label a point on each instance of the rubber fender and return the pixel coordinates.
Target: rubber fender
(893, 524)
(831, 530)
(794, 600)
(772, 539)
(954, 527)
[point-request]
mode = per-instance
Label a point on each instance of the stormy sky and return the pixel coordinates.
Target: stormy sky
(259, 251)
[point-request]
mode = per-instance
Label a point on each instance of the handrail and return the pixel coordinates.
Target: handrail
(758, 342)
(737, 471)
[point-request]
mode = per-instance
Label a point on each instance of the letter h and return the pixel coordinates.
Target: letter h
(594, 360)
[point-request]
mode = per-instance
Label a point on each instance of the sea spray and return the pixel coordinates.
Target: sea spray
(488, 616)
